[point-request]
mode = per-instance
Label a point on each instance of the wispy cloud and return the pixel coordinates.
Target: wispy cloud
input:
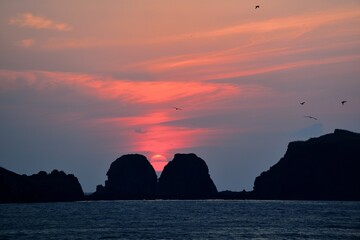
(155, 117)
(259, 47)
(30, 20)
(26, 43)
(272, 29)
(156, 92)
(297, 25)
(238, 62)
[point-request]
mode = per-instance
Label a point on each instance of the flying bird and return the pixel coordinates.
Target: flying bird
(311, 117)
(257, 6)
(343, 102)
(302, 103)
(177, 108)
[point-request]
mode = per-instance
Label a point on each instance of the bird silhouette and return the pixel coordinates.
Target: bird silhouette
(343, 102)
(177, 108)
(311, 117)
(302, 103)
(257, 6)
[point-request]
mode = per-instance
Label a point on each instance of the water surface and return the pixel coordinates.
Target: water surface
(210, 219)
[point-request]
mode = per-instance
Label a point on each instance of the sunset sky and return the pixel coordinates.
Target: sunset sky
(83, 82)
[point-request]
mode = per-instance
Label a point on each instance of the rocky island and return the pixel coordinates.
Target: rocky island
(323, 168)
(130, 176)
(42, 187)
(186, 177)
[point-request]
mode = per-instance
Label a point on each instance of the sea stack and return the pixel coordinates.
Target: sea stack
(186, 177)
(323, 168)
(130, 176)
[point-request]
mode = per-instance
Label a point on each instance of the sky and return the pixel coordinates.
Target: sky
(83, 82)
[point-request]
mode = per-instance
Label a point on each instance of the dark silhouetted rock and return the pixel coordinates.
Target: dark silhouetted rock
(129, 177)
(327, 167)
(41, 187)
(186, 177)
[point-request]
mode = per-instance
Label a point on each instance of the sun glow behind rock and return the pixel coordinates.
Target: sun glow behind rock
(109, 84)
(158, 161)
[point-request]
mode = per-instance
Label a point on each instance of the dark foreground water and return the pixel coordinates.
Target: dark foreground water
(181, 220)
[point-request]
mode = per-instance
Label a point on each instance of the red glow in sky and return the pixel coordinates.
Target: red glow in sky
(158, 161)
(78, 91)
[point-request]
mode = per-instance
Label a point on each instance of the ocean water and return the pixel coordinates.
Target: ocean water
(208, 219)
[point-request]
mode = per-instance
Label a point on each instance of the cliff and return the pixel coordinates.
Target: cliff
(186, 177)
(129, 177)
(41, 187)
(323, 168)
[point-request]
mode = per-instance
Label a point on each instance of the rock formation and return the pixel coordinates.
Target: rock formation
(186, 177)
(129, 177)
(41, 187)
(327, 167)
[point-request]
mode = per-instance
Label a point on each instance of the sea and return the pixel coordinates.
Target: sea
(173, 219)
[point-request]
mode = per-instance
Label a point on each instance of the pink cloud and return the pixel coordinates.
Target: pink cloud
(234, 72)
(26, 43)
(149, 130)
(265, 46)
(30, 20)
(293, 25)
(154, 92)
(237, 62)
